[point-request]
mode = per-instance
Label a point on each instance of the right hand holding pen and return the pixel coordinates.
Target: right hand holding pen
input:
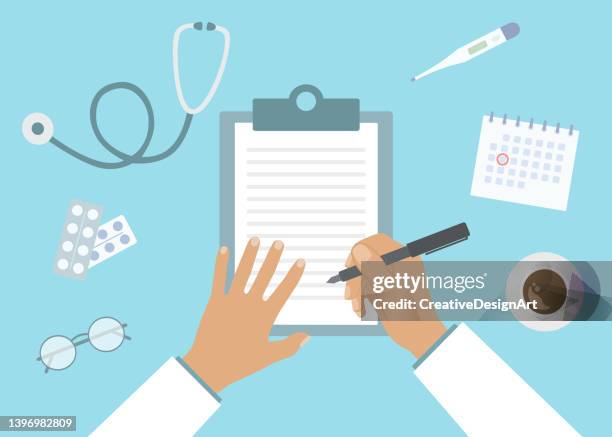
(416, 336)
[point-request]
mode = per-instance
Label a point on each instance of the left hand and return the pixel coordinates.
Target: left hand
(232, 340)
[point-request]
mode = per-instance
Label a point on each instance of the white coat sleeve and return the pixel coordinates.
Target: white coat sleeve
(174, 401)
(482, 393)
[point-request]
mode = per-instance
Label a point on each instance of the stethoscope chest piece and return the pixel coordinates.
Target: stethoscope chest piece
(37, 128)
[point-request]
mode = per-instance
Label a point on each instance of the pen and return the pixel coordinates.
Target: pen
(426, 245)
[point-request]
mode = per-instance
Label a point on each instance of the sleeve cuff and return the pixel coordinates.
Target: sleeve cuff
(434, 347)
(197, 378)
(169, 402)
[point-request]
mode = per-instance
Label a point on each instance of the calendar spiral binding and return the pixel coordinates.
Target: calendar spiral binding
(544, 126)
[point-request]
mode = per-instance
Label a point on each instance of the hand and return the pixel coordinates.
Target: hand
(232, 340)
(416, 336)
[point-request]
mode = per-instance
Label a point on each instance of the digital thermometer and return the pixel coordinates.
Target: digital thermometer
(475, 48)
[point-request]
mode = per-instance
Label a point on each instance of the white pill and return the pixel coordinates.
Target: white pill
(62, 264)
(92, 214)
(88, 232)
(67, 246)
(78, 268)
(77, 210)
(72, 228)
(83, 250)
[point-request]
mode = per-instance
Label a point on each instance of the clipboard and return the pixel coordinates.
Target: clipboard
(318, 179)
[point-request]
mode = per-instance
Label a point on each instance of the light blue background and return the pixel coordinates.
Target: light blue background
(56, 55)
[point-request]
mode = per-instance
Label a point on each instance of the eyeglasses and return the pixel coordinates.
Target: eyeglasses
(105, 334)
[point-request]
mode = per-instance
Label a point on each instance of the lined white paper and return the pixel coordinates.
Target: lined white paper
(318, 193)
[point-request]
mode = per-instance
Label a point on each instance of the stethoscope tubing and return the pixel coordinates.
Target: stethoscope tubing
(138, 156)
(126, 159)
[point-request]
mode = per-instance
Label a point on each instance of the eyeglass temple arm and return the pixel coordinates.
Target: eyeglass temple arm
(127, 337)
(124, 335)
(46, 367)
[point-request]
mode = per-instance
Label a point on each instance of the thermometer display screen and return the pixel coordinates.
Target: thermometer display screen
(477, 47)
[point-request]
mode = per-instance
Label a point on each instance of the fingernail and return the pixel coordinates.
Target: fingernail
(254, 241)
(356, 306)
(300, 263)
(278, 244)
(304, 341)
(362, 252)
(223, 250)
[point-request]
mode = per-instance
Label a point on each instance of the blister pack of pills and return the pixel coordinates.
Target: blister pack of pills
(78, 239)
(112, 238)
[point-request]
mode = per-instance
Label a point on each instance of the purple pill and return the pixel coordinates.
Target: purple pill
(95, 255)
(117, 226)
(109, 247)
(125, 239)
(102, 234)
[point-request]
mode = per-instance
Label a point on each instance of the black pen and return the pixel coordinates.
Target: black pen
(426, 245)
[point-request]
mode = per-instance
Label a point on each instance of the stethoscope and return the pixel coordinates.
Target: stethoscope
(37, 128)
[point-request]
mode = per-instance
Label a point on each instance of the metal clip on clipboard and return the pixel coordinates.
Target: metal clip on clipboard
(326, 115)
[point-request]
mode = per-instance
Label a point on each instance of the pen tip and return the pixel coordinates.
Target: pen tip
(333, 279)
(413, 79)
